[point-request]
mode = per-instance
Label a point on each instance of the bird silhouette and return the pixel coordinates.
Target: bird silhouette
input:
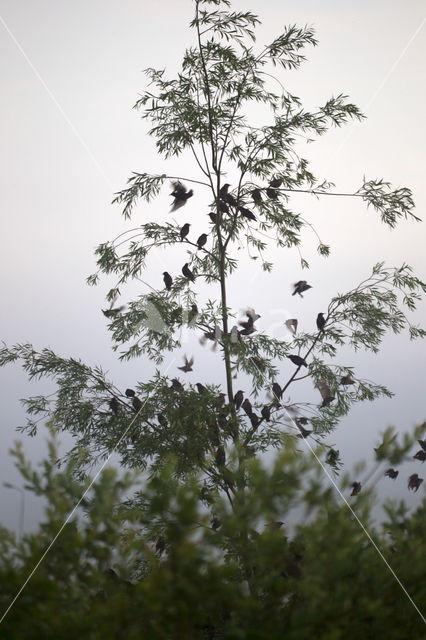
(180, 195)
(223, 207)
(347, 379)
(213, 217)
(422, 443)
(277, 391)
(113, 313)
(256, 195)
(325, 392)
(193, 313)
(200, 387)
(176, 385)
(414, 482)
(320, 322)
(114, 405)
(246, 213)
(162, 420)
(223, 191)
(187, 272)
(202, 240)
(168, 280)
(276, 183)
(272, 193)
(246, 405)
(238, 399)
(420, 455)
(300, 287)
(137, 404)
(184, 231)
(188, 365)
(297, 360)
(129, 393)
(356, 488)
(391, 473)
(266, 413)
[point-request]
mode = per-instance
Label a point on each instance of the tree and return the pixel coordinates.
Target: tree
(201, 432)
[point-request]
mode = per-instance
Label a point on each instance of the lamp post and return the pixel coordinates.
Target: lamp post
(9, 485)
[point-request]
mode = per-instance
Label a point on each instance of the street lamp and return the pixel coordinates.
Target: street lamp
(9, 485)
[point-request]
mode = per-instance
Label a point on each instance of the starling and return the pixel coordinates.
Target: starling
(255, 420)
(235, 335)
(230, 200)
(180, 195)
(213, 217)
(277, 391)
(266, 412)
(356, 488)
(223, 192)
(200, 387)
(137, 404)
(304, 433)
(246, 213)
(220, 456)
(320, 322)
(114, 405)
(223, 207)
(176, 385)
(272, 193)
(300, 287)
(129, 393)
(246, 405)
(325, 392)
(298, 361)
(168, 280)
(238, 399)
(193, 313)
(184, 231)
(276, 183)
(248, 325)
(391, 473)
(422, 443)
(292, 325)
(187, 272)
(347, 379)
(202, 240)
(256, 195)
(162, 420)
(414, 482)
(188, 365)
(112, 313)
(420, 455)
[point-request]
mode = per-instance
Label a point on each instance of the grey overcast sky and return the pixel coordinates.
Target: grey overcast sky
(70, 73)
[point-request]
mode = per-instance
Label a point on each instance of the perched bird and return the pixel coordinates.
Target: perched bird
(420, 455)
(129, 393)
(213, 217)
(246, 405)
(414, 482)
(256, 195)
(223, 191)
(246, 213)
(272, 193)
(114, 405)
(168, 280)
(392, 473)
(220, 456)
(187, 272)
(255, 420)
(291, 325)
(180, 195)
(112, 313)
(162, 420)
(266, 412)
(356, 488)
(300, 287)
(202, 240)
(238, 399)
(422, 443)
(188, 365)
(235, 335)
(347, 379)
(276, 183)
(137, 404)
(200, 387)
(325, 392)
(193, 312)
(184, 231)
(297, 360)
(223, 207)
(320, 322)
(176, 385)
(230, 200)
(276, 390)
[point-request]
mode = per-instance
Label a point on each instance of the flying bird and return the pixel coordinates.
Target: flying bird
(300, 287)
(168, 280)
(297, 360)
(325, 392)
(112, 313)
(291, 325)
(356, 488)
(414, 482)
(188, 365)
(391, 473)
(184, 231)
(114, 405)
(420, 455)
(238, 399)
(180, 195)
(320, 322)
(202, 240)
(187, 272)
